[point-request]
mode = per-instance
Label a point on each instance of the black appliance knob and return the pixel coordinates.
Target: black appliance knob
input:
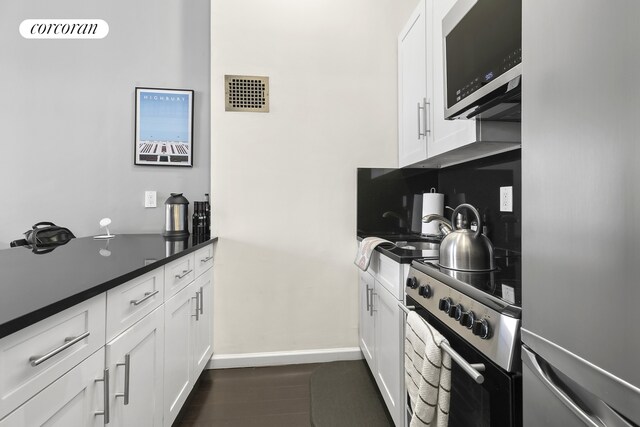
(444, 304)
(467, 319)
(481, 329)
(425, 291)
(412, 282)
(456, 311)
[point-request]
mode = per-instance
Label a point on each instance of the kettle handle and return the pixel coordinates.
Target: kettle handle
(472, 209)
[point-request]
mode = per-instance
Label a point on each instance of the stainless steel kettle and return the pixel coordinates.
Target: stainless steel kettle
(466, 250)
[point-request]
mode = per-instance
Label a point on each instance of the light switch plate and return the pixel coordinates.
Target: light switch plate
(150, 199)
(506, 199)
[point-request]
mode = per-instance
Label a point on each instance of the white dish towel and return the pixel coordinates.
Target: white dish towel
(427, 373)
(365, 249)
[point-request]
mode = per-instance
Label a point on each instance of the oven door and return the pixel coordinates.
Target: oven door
(497, 402)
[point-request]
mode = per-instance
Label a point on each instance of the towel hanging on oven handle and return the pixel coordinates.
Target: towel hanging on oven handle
(472, 369)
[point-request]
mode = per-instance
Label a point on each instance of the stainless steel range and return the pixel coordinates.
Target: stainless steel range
(480, 314)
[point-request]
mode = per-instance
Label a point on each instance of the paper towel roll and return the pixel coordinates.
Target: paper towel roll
(432, 203)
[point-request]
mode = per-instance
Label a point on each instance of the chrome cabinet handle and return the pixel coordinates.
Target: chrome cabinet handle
(530, 360)
(420, 133)
(36, 360)
(368, 300)
(197, 298)
(147, 295)
(105, 381)
(127, 367)
(201, 300)
(184, 273)
(209, 258)
(427, 128)
(372, 302)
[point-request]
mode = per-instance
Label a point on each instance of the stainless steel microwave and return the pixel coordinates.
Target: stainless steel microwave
(483, 59)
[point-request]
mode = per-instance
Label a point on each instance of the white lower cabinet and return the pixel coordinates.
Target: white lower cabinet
(150, 346)
(389, 351)
(76, 399)
(367, 325)
(381, 329)
(188, 341)
(135, 363)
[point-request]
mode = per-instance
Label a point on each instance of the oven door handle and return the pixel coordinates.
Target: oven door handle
(473, 370)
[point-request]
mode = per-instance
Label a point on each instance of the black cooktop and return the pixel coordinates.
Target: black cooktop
(505, 282)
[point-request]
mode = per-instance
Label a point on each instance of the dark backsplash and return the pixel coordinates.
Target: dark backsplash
(477, 182)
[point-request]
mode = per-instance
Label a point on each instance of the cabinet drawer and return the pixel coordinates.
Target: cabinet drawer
(130, 302)
(178, 274)
(389, 273)
(36, 356)
(203, 259)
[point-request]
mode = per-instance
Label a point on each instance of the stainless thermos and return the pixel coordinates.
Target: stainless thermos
(176, 223)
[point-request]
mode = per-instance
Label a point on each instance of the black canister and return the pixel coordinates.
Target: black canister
(176, 222)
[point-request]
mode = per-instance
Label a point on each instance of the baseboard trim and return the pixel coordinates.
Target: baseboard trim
(246, 360)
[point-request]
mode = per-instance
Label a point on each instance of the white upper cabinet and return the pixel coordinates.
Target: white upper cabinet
(414, 70)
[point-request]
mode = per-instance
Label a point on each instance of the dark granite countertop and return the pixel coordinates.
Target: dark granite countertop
(36, 286)
(402, 256)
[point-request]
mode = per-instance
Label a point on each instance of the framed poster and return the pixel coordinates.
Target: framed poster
(164, 127)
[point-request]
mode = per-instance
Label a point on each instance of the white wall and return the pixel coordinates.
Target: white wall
(67, 113)
(283, 182)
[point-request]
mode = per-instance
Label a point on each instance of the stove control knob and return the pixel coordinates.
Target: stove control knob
(445, 304)
(456, 311)
(412, 282)
(467, 319)
(481, 329)
(425, 291)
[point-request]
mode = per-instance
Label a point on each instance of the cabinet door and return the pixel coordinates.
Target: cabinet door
(178, 350)
(135, 362)
(73, 400)
(203, 323)
(389, 350)
(366, 325)
(447, 134)
(414, 77)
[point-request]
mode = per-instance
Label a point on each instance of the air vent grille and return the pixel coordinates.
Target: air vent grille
(246, 93)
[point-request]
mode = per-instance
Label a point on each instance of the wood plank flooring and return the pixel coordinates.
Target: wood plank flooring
(265, 396)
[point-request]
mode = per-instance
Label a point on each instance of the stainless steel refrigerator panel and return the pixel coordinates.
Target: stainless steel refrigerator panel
(593, 394)
(581, 179)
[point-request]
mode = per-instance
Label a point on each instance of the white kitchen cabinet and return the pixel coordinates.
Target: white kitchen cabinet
(36, 356)
(381, 329)
(425, 138)
(414, 86)
(180, 313)
(203, 326)
(389, 350)
(135, 361)
(76, 399)
(366, 326)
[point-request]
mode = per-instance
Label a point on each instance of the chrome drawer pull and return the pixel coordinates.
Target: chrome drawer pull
(147, 295)
(36, 360)
(209, 258)
(127, 365)
(184, 273)
(106, 397)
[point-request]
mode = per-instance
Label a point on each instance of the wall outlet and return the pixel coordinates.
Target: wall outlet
(150, 199)
(506, 199)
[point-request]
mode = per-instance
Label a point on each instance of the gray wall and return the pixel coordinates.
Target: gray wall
(67, 113)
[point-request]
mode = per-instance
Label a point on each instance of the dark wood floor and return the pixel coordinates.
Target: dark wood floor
(268, 396)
